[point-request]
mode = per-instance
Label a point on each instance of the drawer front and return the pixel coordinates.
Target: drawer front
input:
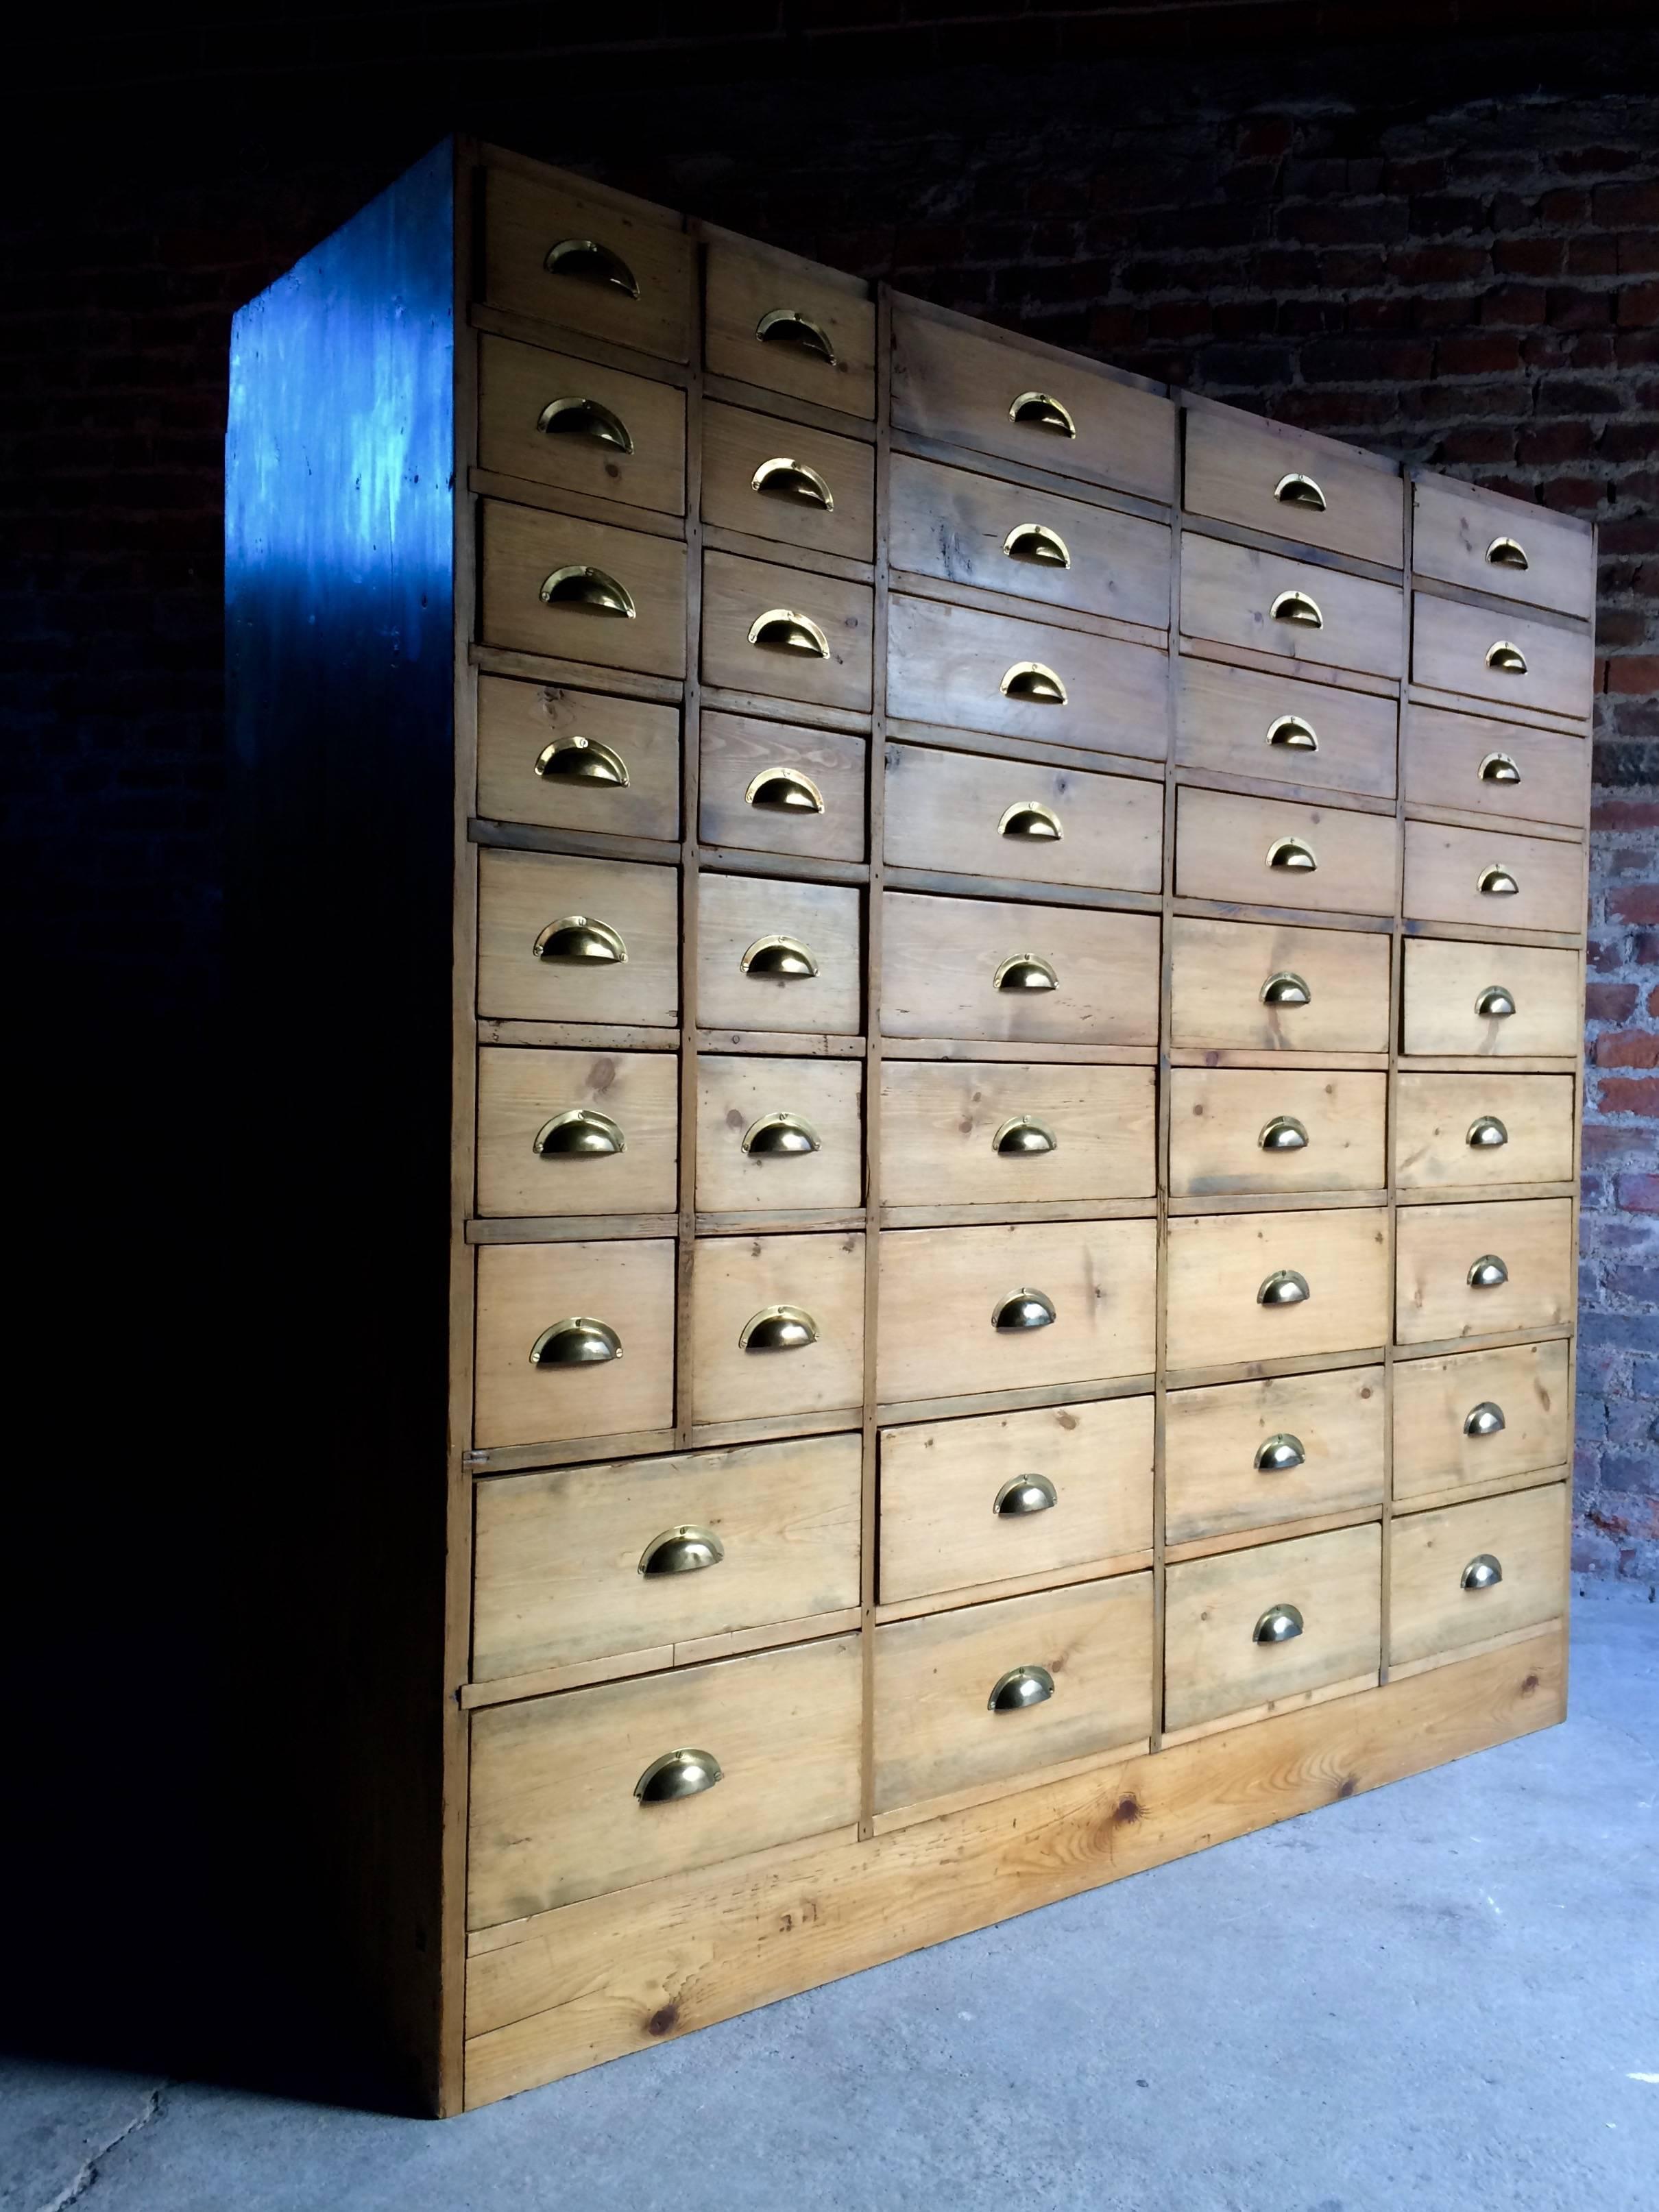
(1470, 1572)
(1456, 997)
(579, 427)
(1244, 1129)
(790, 325)
(955, 667)
(967, 529)
(778, 956)
(1248, 987)
(562, 940)
(1480, 767)
(777, 1326)
(976, 968)
(1447, 1285)
(966, 1132)
(553, 1815)
(1028, 404)
(581, 591)
(583, 1562)
(963, 1310)
(1481, 1129)
(1267, 852)
(779, 1134)
(1502, 546)
(577, 1132)
(1246, 1455)
(1481, 1417)
(1494, 877)
(1243, 723)
(1238, 596)
(577, 760)
(970, 814)
(998, 1495)
(1234, 1279)
(1215, 1609)
(774, 787)
(1242, 469)
(787, 481)
(587, 264)
(785, 635)
(1508, 659)
(947, 1717)
(554, 1322)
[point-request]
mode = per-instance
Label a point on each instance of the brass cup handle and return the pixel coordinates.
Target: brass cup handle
(1297, 607)
(1292, 856)
(581, 1133)
(590, 262)
(780, 959)
(590, 591)
(1034, 683)
(1023, 1309)
(1026, 1494)
(1483, 1572)
(781, 1136)
(1278, 1624)
(1030, 819)
(582, 760)
(782, 630)
(1488, 1272)
(576, 940)
(1020, 1687)
(1279, 1454)
(784, 791)
(581, 1341)
(1294, 733)
(1495, 1003)
(681, 1552)
(1025, 971)
(1486, 1134)
(1507, 553)
(1298, 490)
(1039, 410)
(1283, 1134)
(778, 1329)
(788, 326)
(1486, 1419)
(678, 1774)
(1284, 1287)
(1506, 657)
(1498, 767)
(1023, 1137)
(577, 417)
(1037, 542)
(792, 480)
(1285, 989)
(1496, 882)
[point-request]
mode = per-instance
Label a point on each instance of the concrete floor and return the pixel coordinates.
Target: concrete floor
(1444, 1995)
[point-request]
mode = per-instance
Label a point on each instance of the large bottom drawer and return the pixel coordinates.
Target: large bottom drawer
(1468, 1573)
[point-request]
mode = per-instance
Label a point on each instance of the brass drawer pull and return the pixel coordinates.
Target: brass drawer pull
(780, 630)
(1284, 1287)
(1498, 767)
(1040, 412)
(781, 1137)
(1297, 607)
(1279, 1454)
(1025, 971)
(575, 941)
(1496, 882)
(589, 588)
(1025, 1137)
(1023, 1309)
(1035, 542)
(788, 326)
(579, 1133)
(1486, 1419)
(581, 1341)
(778, 1329)
(1488, 1272)
(1483, 1572)
(1298, 490)
(1031, 818)
(1035, 683)
(682, 1551)
(1486, 1134)
(1508, 659)
(582, 760)
(1293, 855)
(782, 478)
(1294, 734)
(590, 262)
(1285, 989)
(678, 1774)
(1278, 1624)
(1507, 553)
(1026, 1493)
(780, 958)
(1283, 1134)
(1495, 1003)
(784, 791)
(575, 417)
(1020, 1687)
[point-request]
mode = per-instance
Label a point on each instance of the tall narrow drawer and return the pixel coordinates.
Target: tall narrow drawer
(1480, 1270)
(1494, 877)
(777, 1326)
(1468, 1573)
(989, 1132)
(577, 1132)
(1243, 723)
(779, 1134)
(1509, 658)
(956, 666)
(789, 481)
(554, 1322)
(1239, 596)
(578, 426)
(968, 529)
(790, 325)
(1505, 1000)
(1481, 767)
(577, 760)
(997, 1691)
(1481, 1417)
(566, 1795)
(563, 939)
(1267, 852)
(976, 968)
(1505, 547)
(582, 1562)
(1249, 1129)
(971, 814)
(1276, 1286)
(1023, 1306)
(774, 788)
(1263, 477)
(784, 634)
(1451, 1130)
(778, 956)
(1250, 986)
(1246, 1455)
(1001, 1495)
(581, 591)
(1221, 1654)
(616, 271)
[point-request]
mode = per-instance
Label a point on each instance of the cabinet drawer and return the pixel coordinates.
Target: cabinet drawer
(1468, 1573)
(785, 635)
(1217, 1611)
(553, 1810)
(1244, 1129)
(1267, 852)
(778, 956)
(562, 940)
(774, 788)
(1263, 477)
(790, 325)
(1509, 658)
(1247, 987)
(1480, 767)
(1476, 1129)
(1239, 596)
(974, 968)
(1494, 878)
(965, 1133)
(581, 591)
(579, 427)
(943, 1291)
(998, 1495)
(1243, 723)
(777, 1326)
(577, 760)
(1500, 998)
(1479, 1417)
(554, 1323)
(1506, 547)
(577, 1132)
(1447, 1283)
(787, 481)
(583, 1562)
(955, 667)
(1245, 1455)
(1028, 403)
(948, 1717)
(615, 270)
(1235, 1280)
(971, 814)
(779, 1134)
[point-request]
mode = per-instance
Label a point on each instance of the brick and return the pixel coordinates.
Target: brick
(1610, 1002)
(1628, 1048)
(1639, 1193)
(1628, 1094)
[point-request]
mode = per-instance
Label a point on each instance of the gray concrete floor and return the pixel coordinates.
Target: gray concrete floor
(1444, 1994)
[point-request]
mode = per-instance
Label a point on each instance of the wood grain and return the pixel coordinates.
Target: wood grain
(735, 1094)
(734, 1279)
(734, 913)
(1444, 868)
(522, 894)
(738, 750)
(946, 812)
(1218, 970)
